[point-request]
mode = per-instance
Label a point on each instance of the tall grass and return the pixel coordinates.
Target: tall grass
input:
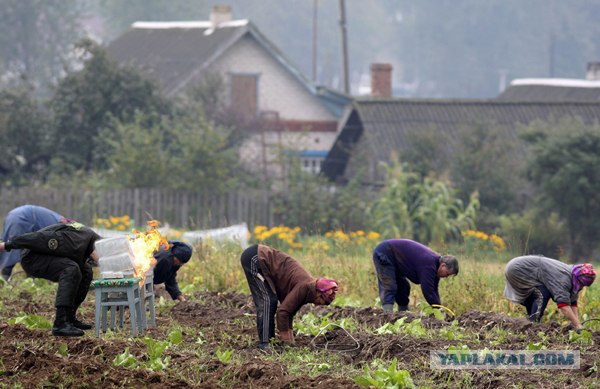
(478, 286)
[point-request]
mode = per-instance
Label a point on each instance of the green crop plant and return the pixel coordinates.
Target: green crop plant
(459, 350)
(125, 359)
(224, 356)
(534, 346)
(63, 350)
(582, 337)
(389, 377)
(309, 324)
(413, 328)
(452, 332)
(428, 310)
(155, 351)
(175, 336)
(31, 321)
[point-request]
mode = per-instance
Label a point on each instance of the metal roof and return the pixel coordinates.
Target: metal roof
(381, 126)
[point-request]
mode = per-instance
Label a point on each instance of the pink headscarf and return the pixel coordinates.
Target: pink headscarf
(327, 289)
(582, 275)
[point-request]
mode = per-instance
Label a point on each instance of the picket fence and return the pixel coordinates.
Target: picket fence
(177, 208)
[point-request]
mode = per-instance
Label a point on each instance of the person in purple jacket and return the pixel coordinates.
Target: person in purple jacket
(398, 261)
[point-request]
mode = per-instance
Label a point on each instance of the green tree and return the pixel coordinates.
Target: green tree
(26, 145)
(87, 101)
(202, 153)
(428, 151)
(306, 200)
(485, 162)
(185, 152)
(564, 166)
(36, 38)
(426, 210)
(138, 155)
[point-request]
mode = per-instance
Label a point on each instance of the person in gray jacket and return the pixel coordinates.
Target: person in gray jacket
(533, 280)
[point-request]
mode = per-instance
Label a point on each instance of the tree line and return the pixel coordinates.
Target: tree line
(108, 126)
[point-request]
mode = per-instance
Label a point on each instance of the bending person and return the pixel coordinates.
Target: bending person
(399, 260)
(275, 276)
(19, 221)
(168, 263)
(533, 280)
(59, 253)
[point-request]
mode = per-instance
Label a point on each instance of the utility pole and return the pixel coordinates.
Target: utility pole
(344, 47)
(314, 48)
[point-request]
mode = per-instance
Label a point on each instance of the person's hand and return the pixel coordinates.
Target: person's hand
(94, 257)
(1, 247)
(287, 336)
(180, 298)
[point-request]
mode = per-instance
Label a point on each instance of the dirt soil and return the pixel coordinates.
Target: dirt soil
(226, 321)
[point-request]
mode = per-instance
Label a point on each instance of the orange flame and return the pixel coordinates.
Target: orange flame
(144, 245)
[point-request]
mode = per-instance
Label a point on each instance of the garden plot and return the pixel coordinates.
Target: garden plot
(208, 341)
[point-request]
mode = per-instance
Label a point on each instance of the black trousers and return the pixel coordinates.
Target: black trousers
(264, 298)
(536, 303)
(73, 278)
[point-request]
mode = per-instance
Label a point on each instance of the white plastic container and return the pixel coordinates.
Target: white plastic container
(116, 258)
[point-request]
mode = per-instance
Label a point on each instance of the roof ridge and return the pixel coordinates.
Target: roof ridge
(187, 24)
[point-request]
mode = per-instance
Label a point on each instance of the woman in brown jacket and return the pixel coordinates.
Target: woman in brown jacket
(275, 276)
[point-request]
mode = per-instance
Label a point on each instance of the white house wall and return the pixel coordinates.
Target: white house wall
(278, 90)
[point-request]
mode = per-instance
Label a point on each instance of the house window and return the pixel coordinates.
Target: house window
(244, 94)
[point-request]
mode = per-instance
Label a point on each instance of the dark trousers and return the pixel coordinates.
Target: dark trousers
(73, 278)
(393, 286)
(264, 298)
(536, 303)
(7, 271)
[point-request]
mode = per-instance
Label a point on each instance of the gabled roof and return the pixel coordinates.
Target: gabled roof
(382, 125)
(175, 52)
(551, 89)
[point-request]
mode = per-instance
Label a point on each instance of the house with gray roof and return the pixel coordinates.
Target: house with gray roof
(555, 89)
(260, 83)
(373, 130)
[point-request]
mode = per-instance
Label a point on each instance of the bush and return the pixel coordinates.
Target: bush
(530, 233)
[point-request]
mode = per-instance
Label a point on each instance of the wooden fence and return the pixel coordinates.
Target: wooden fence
(180, 209)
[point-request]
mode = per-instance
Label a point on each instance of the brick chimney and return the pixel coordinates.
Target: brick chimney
(381, 80)
(220, 14)
(593, 71)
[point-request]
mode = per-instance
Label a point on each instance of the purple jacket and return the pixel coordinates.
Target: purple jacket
(416, 262)
(21, 220)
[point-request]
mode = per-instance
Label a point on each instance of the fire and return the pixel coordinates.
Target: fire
(144, 245)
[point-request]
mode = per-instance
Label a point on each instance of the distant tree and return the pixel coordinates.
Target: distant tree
(26, 144)
(564, 165)
(486, 161)
(88, 100)
(428, 151)
(36, 38)
(426, 210)
(305, 201)
(179, 153)
(202, 154)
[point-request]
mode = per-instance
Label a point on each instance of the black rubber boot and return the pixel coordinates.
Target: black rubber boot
(62, 327)
(72, 318)
(402, 308)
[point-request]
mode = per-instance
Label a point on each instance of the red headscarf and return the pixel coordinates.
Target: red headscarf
(327, 288)
(583, 275)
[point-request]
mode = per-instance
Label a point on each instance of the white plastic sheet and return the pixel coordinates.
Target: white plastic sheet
(237, 233)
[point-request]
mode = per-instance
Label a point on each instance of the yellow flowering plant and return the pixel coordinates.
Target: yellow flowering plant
(478, 240)
(119, 223)
(280, 237)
